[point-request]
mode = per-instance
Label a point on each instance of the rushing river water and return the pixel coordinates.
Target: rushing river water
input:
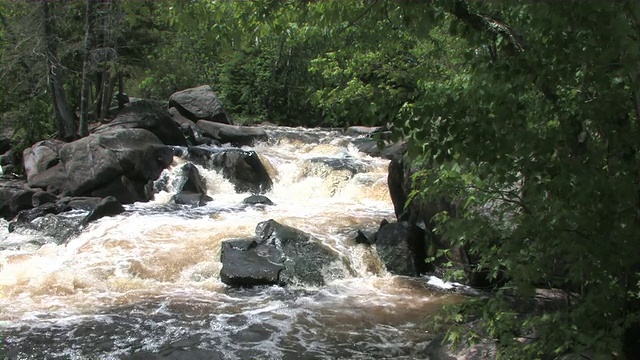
(147, 281)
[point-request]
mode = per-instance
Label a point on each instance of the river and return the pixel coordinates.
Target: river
(145, 284)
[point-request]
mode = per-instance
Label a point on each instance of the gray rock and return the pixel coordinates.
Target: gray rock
(42, 197)
(363, 130)
(257, 200)
(50, 228)
(233, 134)
(194, 188)
(243, 169)
(40, 211)
(280, 255)
(149, 116)
(39, 157)
(400, 248)
(199, 103)
(244, 263)
(191, 198)
(93, 162)
(307, 260)
(109, 206)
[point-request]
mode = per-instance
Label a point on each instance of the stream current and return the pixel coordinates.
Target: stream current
(145, 284)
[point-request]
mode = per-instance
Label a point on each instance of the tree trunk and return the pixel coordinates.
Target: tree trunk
(122, 99)
(86, 83)
(106, 93)
(64, 116)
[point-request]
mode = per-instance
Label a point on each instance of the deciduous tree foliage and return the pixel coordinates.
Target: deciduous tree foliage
(536, 134)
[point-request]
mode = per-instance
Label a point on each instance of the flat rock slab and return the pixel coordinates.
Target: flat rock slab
(246, 263)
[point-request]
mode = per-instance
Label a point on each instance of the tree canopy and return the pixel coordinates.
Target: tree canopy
(526, 113)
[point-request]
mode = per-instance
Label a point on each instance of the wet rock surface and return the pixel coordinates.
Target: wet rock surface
(257, 200)
(109, 206)
(246, 263)
(193, 190)
(50, 228)
(399, 246)
(279, 255)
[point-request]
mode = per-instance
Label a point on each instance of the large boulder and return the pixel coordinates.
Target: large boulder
(199, 103)
(243, 169)
(15, 196)
(246, 263)
(386, 150)
(306, 259)
(108, 206)
(420, 213)
(280, 255)
(193, 181)
(401, 248)
(125, 190)
(39, 158)
(117, 159)
(193, 190)
(233, 134)
(149, 116)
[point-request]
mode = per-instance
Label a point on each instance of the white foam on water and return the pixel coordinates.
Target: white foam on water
(154, 270)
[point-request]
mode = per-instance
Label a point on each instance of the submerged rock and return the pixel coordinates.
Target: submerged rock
(280, 255)
(49, 228)
(191, 198)
(257, 200)
(440, 349)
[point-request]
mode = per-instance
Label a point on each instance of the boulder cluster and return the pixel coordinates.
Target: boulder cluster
(118, 162)
(121, 161)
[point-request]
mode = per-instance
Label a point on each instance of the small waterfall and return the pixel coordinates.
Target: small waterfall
(148, 279)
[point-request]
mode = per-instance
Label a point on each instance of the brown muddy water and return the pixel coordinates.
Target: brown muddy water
(146, 285)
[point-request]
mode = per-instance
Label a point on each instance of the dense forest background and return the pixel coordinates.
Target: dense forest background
(526, 113)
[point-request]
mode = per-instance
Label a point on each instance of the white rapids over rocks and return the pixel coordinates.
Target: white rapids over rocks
(148, 280)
